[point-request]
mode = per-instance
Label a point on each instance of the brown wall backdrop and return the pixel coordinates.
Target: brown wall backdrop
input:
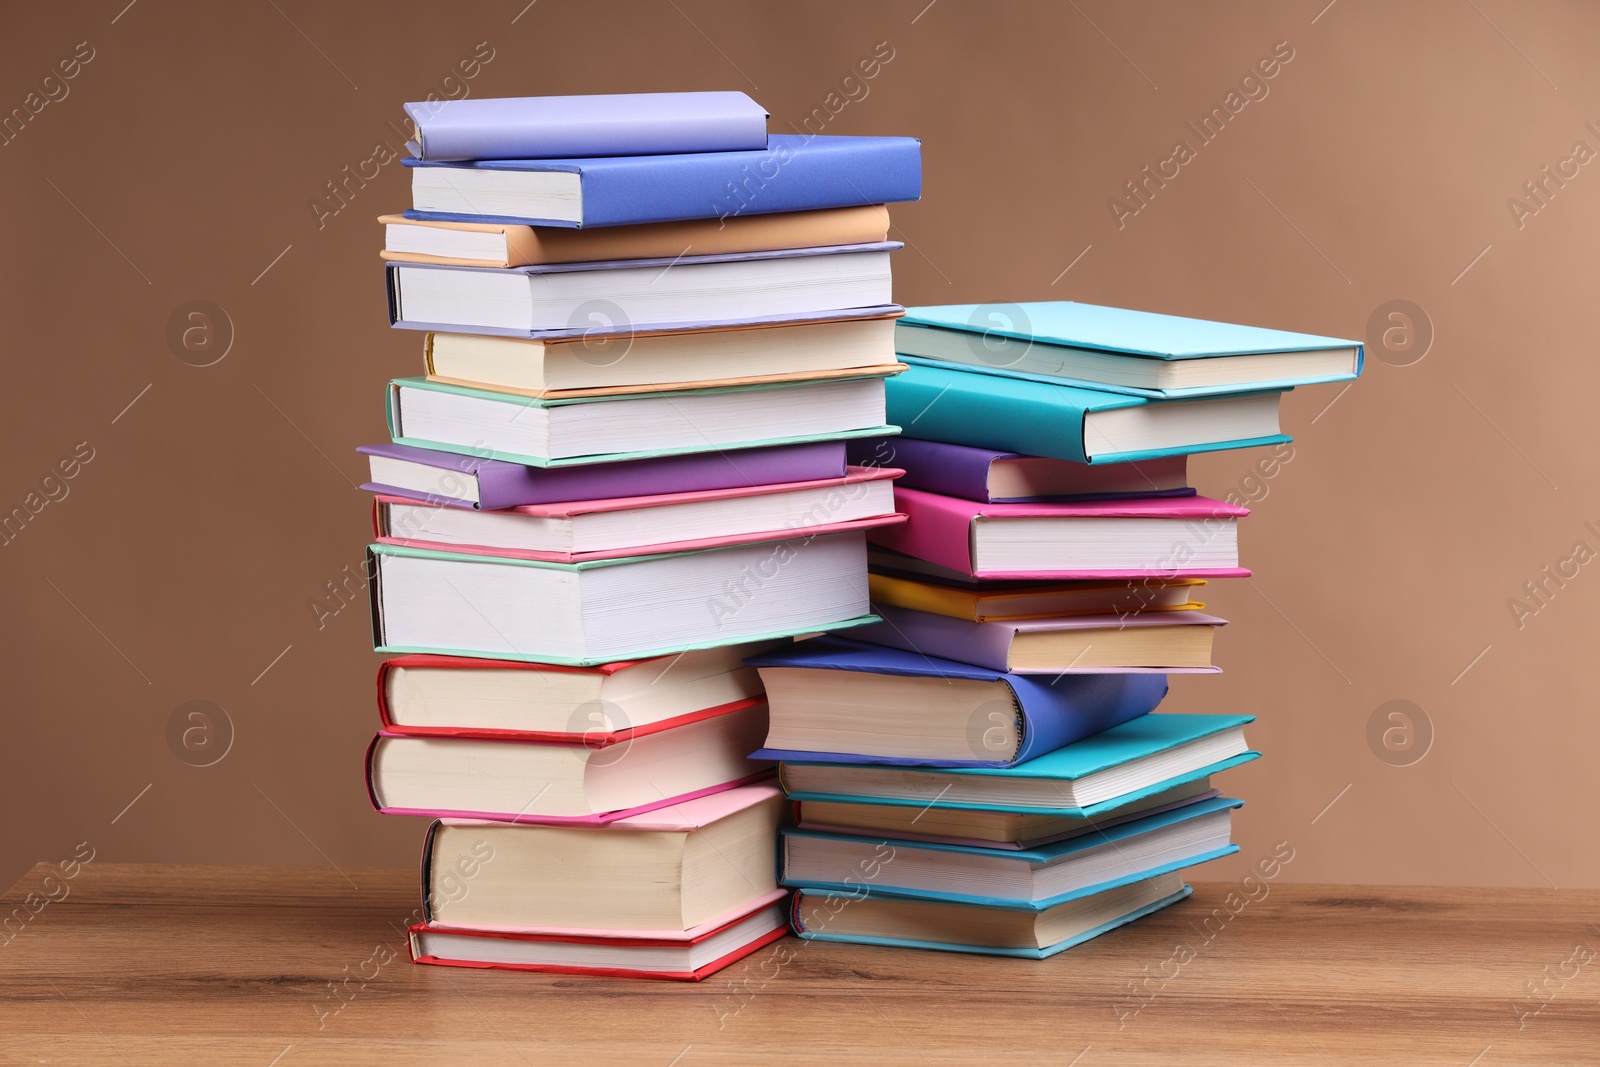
(180, 163)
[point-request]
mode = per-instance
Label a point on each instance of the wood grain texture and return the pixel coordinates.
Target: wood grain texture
(169, 965)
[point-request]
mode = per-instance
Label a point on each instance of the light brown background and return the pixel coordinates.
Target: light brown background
(189, 550)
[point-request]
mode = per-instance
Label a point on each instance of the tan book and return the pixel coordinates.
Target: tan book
(480, 244)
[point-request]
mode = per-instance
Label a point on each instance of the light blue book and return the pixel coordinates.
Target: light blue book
(964, 406)
(947, 927)
(1025, 880)
(1141, 353)
(1088, 778)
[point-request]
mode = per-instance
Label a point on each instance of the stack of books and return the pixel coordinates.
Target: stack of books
(648, 330)
(982, 770)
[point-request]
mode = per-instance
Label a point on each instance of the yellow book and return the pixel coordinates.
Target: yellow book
(1035, 600)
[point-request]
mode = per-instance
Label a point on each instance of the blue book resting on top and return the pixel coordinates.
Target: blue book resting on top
(1141, 353)
(793, 173)
(961, 716)
(963, 406)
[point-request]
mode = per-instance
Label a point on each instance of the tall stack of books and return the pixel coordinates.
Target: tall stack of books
(648, 331)
(983, 769)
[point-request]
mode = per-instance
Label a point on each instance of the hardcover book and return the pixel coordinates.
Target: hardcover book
(837, 700)
(1175, 537)
(437, 477)
(1143, 756)
(620, 124)
(993, 477)
(795, 172)
(962, 406)
(1138, 352)
(1010, 601)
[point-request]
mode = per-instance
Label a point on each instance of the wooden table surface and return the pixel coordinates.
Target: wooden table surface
(235, 965)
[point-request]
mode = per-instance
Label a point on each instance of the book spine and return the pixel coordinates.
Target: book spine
(1071, 707)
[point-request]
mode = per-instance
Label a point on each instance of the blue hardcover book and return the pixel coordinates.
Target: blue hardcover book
(552, 127)
(994, 477)
(793, 173)
(947, 927)
(1137, 352)
(962, 406)
(958, 716)
(1028, 880)
(1108, 770)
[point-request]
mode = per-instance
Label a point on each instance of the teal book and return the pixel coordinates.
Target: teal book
(963, 406)
(605, 429)
(1088, 778)
(873, 919)
(1033, 879)
(1141, 353)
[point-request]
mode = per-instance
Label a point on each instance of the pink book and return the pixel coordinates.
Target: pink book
(577, 531)
(1168, 537)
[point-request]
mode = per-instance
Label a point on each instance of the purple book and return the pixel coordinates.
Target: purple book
(556, 127)
(490, 484)
(992, 477)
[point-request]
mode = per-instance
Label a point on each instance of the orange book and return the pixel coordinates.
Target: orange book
(481, 244)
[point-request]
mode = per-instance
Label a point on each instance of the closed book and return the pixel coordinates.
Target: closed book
(576, 780)
(681, 867)
(663, 360)
(643, 525)
(686, 956)
(837, 700)
(951, 927)
(983, 829)
(1143, 756)
(1173, 537)
(1137, 352)
(601, 611)
(1002, 601)
(965, 407)
(622, 296)
(587, 430)
(457, 696)
(994, 477)
(506, 244)
(613, 124)
(1163, 642)
(437, 477)
(1026, 880)
(793, 173)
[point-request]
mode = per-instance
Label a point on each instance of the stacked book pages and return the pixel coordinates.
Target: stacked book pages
(648, 330)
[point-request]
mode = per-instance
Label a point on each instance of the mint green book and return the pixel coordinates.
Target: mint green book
(606, 429)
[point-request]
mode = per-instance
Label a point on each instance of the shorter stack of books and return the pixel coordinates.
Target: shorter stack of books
(982, 770)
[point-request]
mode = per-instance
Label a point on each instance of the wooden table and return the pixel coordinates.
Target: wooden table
(233, 965)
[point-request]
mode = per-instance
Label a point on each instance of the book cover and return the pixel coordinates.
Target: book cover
(963, 407)
(1053, 713)
(793, 173)
(503, 484)
(620, 124)
(940, 530)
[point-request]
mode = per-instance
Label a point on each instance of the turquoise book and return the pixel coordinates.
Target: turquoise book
(1141, 353)
(964, 406)
(1141, 757)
